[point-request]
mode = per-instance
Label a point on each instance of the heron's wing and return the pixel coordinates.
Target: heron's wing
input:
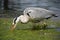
(37, 12)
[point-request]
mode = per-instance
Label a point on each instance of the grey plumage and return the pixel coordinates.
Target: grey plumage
(35, 12)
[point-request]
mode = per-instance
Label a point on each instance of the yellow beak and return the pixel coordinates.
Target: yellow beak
(13, 27)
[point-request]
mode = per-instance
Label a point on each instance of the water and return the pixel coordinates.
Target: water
(53, 27)
(20, 5)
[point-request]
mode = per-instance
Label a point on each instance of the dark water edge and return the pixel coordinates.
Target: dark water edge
(16, 7)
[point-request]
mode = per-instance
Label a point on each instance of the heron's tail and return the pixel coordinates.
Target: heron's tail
(54, 15)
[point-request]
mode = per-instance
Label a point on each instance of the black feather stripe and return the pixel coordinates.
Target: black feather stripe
(15, 20)
(28, 14)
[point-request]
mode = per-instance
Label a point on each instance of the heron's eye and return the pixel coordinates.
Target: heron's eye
(28, 14)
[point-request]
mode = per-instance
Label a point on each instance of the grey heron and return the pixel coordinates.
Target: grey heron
(33, 13)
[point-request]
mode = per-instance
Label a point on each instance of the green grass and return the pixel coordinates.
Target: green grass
(21, 34)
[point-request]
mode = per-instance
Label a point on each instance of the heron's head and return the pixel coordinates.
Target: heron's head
(22, 18)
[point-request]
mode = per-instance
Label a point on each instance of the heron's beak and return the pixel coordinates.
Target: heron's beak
(13, 27)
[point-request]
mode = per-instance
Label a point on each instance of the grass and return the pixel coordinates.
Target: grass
(21, 34)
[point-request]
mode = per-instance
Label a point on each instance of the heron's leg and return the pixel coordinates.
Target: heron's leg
(44, 25)
(40, 25)
(34, 26)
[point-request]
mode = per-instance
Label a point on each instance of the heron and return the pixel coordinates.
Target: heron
(33, 14)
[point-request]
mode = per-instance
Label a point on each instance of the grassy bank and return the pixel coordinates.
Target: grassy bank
(21, 34)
